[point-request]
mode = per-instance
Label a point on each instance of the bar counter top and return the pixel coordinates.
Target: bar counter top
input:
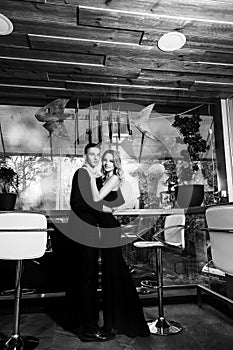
(132, 212)
(63, 214)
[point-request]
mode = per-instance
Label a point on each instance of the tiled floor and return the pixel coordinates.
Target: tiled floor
(204, 328)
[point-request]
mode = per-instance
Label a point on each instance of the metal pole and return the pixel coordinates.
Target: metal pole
(19, 269)
(160, 281)
(2, 139)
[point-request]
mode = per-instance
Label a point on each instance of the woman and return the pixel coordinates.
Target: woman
(122, 310)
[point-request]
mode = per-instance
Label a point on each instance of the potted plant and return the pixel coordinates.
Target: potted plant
(188, 191)
(8, 187)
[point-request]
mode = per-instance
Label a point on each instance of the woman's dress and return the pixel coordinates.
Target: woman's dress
(122, 309)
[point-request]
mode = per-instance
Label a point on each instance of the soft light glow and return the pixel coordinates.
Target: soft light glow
(6, 26)
(171, 41)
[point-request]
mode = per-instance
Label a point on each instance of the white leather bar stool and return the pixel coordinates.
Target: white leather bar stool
(22, 236)
(173, 236)
(219, 220)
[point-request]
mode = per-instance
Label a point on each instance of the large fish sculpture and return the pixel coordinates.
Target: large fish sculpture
(141, 121)
(53, 114)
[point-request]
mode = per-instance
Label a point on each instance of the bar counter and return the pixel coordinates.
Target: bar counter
(49, 272)
(54, 215)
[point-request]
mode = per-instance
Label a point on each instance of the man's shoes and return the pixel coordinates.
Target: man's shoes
(108, 332)
(97, 336)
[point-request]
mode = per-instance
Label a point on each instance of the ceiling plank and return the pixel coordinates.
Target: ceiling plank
(181, 102)
(106, 96)
(33, 83)
(157, 59)
(39, 12)
(208, 9)
(87, 46)
(72, 69)
(162, 23)
(23, 74)
(21, 25)
(125, 81)
(194, 8)
(15, 40)
(52, 56)
(156, 75)
(187, 67)
(106, 89)
(214, 86)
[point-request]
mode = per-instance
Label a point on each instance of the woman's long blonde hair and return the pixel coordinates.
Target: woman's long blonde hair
(116, 162)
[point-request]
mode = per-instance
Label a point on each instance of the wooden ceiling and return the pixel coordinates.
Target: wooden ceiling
(107, 50)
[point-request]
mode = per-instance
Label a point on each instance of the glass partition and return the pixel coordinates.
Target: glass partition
(45, 164)
(153, 152)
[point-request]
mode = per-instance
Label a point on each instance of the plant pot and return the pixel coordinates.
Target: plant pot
(7, 201)
(191, 195)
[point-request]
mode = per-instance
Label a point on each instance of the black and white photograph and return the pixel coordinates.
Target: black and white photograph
(116, 174)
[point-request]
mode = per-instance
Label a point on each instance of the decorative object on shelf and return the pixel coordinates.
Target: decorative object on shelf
(76, 127)
(189, 128)
(110, 125)
(8, 187)
(90, 123)
(100, 123)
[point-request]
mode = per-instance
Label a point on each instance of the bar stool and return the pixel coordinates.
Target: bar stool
(22, 236)
(219, 220)
(173, 236)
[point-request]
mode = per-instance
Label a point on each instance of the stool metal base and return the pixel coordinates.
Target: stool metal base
(16, 342)
(163, 327)
(24, 291)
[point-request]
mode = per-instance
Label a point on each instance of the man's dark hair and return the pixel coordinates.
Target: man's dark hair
(90, 145)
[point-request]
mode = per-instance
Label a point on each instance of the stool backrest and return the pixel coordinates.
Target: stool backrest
(175, 235)
(221, 217)
(21, 244)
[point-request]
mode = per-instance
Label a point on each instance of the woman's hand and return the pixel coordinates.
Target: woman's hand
(90, 171)
(107, 209)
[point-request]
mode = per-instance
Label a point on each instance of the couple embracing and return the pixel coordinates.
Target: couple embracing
(96, 233)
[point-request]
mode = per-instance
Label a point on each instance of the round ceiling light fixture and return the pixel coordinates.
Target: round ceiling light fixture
(171, 41)
(6, 26)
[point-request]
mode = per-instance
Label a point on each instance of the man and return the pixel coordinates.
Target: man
(83, 222)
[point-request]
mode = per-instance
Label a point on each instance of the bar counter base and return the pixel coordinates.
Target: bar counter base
(161, 326)
(16, 342)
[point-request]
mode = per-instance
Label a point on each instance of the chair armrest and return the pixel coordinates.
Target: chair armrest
(215, 229)
(167, 228)
(26, 229)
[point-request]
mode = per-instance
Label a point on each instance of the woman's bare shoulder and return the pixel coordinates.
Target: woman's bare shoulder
(114, 179)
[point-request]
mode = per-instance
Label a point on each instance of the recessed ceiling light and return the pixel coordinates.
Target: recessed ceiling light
(171, 41)
(6, 26)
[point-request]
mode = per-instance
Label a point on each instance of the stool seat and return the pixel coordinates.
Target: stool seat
(22, 236)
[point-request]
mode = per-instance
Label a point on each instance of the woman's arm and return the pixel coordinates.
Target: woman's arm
(112, 182)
